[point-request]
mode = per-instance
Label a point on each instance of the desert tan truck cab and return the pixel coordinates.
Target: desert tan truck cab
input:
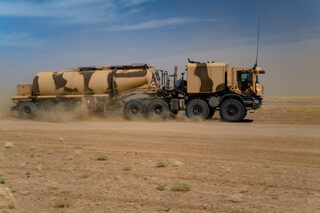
(217, 86)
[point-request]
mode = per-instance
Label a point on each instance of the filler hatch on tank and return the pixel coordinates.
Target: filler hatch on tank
(90, 68)
(113, 67)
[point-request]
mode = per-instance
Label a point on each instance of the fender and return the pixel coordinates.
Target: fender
(233, 96)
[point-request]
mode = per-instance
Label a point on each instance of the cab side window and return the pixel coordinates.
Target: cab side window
(244, 76)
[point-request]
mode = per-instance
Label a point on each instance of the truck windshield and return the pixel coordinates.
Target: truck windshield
(244, 76)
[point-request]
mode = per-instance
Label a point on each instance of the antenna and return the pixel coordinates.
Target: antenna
(256, 64)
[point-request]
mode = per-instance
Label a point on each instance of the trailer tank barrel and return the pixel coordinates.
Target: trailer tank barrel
(91, 81)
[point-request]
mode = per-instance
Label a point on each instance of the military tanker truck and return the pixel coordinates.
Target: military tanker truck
(144, 91)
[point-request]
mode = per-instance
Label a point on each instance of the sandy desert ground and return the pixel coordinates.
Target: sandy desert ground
(268, 163)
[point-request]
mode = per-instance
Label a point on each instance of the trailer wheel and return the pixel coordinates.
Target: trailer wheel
(232, 110)
(158, 109)
(197, 109)
(27, 110)
(211, 113)
(134, 109)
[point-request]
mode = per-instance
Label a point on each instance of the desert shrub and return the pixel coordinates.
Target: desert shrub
(2, 180)
(161, 186)
(102, 157)
(86, 175)
(62, 203)
(161, 164)
(8, 145)
(180, 187)
(126, 168)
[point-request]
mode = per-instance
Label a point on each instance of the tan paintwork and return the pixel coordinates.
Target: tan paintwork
(91, 81)
(75, 81)
(24, 89)
(210, 78)
(98, 81)
(259, 89)
(45, 84)
(205, 77)
(232, 81)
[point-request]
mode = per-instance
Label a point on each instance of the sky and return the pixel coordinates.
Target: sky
(50, 35)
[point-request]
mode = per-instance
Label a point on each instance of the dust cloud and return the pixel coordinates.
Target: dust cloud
(5, 104)
(61, 112)
(77, 112)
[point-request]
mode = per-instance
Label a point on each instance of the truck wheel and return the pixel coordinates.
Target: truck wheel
(232, 110)
(133, 109)
(197, 109)
(158, 109)
(211, 113)
(27, 110)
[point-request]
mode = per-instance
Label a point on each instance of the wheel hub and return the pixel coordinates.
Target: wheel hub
(134, 110)
(26, 110)
(197, 110)
(158, 110)
(232, 110)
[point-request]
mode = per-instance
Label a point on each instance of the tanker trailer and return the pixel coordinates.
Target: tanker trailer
(95, 86)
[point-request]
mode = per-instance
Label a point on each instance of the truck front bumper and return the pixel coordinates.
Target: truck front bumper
(254, 103)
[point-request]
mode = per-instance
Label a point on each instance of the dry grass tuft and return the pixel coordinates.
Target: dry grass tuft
(7, 198)
(126, 168)
(102, 157)
(62, 203)
(8, 145)
(77, 152)
(161, 186)
(2, 180)
(86, 175)
(180, 187)
(39, 167)
(161, 164)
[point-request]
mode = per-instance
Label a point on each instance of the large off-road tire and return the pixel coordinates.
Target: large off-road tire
(133, 110)
(158, 109)
(211, 113)
(27, 110)
(232, 110)
(197, 109)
